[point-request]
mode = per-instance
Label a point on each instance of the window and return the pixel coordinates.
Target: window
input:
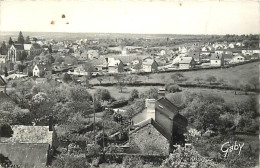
(216, 61)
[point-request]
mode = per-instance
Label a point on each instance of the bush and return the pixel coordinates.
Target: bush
(173, 88)
(134, 95)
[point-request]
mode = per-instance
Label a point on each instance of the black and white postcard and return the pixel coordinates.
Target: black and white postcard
(129, 83)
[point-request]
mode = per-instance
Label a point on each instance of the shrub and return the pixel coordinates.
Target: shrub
(173, 88)
(134, 94)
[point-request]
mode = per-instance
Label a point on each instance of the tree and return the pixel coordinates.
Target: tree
(134, 95)
(67, 78)
(102, 94)
(211, 79)
(40, 107)
(3, 49)
(27, 40)
(20, 39)
(10, 41)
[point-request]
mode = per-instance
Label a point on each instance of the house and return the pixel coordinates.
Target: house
(80, 70)
(29, 146)
(195, 55)
(162, 52)
(231, 45)
(163, 125)
(216, 60)
(114, 65)
(183, 49)
(93, 54)
(219, 51)
(238, 59)
(33, 49)
(227, 58)
(149, 65)
(186, 63)
(42, 70)
(2, 59)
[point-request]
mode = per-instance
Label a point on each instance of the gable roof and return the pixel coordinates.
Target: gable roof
(185, 60)
(25, 155)
(160, 129)
(170, 109)
(19, 46)
(215, 56)
(29, 134)
(148, 61)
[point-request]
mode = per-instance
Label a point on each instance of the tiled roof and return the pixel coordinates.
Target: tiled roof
(25, 155)
(19, 46)
(29, 134)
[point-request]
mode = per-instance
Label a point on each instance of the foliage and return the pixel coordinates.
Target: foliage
(173, 88)
(187, 157)
(20, 39)
(150, 94)
(211, 79)
(102, 94)
(134, 95)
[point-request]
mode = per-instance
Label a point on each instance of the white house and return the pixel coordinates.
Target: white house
(2, 59)
(231, 45)
(125, 52)
(115, 65)
(237, 59)
(216, 60)
(162, 52)
(149, 65)
(187, 63)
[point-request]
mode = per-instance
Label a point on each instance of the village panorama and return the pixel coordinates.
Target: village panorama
(128, 100)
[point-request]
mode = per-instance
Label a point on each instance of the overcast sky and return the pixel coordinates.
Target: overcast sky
(125, 16)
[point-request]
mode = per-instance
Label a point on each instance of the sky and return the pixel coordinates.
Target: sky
(135, 16)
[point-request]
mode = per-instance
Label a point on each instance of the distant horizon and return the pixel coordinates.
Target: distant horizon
(17, 31)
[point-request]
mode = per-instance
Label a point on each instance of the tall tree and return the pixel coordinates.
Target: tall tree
(3, 49)
(20, 38)
(27, 41)
(10, 41)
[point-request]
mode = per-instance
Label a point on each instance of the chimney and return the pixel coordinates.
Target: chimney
(51, 123)
(150, 108)
(161, 92)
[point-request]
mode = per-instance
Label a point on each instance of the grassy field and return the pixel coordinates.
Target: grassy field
(242, 73)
